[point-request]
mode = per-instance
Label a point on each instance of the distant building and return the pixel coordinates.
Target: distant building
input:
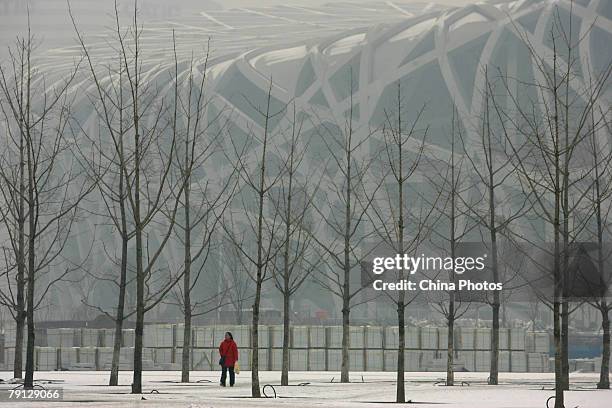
(438, 57)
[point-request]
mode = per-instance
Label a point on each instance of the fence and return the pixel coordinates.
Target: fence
(312, 348)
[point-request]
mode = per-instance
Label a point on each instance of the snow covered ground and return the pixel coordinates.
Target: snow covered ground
(530, 390)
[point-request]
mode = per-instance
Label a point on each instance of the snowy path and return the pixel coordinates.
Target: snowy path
(378, 390)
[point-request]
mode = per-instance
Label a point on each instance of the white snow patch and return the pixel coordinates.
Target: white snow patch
(516, 390)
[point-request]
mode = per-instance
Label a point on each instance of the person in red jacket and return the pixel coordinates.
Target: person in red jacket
(228, 350)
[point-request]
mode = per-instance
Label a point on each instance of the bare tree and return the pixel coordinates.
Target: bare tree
(298, 258)
(401, 220)
(255, 241)
(46, 186)
(13, 217)
(145, 160)
(344, 215)
(107, 164)
(447, 175)
(600, 201)
(202, 202)
(149, 199)
(491, 164)
(552, 124)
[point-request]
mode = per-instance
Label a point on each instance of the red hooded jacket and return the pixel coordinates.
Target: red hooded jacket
(229, 350)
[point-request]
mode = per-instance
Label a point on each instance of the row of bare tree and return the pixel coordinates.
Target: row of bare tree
(289, 205)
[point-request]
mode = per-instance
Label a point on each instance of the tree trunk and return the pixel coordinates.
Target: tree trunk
(32, 213)
(494, 371)
(565, 344)
(450, 375)
(286, 322)
(559, 402)
(140, 278)
(346, 287)
(29, 376)
(138, 231)
(604, 374)
(20, 325)
(137, 378)
(187, 283)
(114, 375)
(346, 310)
(344, 368)
(565, 281)
(400, 394)
(494, 368)
(255, 391)
(20, 314)
(557, 338)
(186, 358)
(559, 290)
(287, 272)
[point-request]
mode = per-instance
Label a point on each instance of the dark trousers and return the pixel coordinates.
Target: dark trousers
(232, 375)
